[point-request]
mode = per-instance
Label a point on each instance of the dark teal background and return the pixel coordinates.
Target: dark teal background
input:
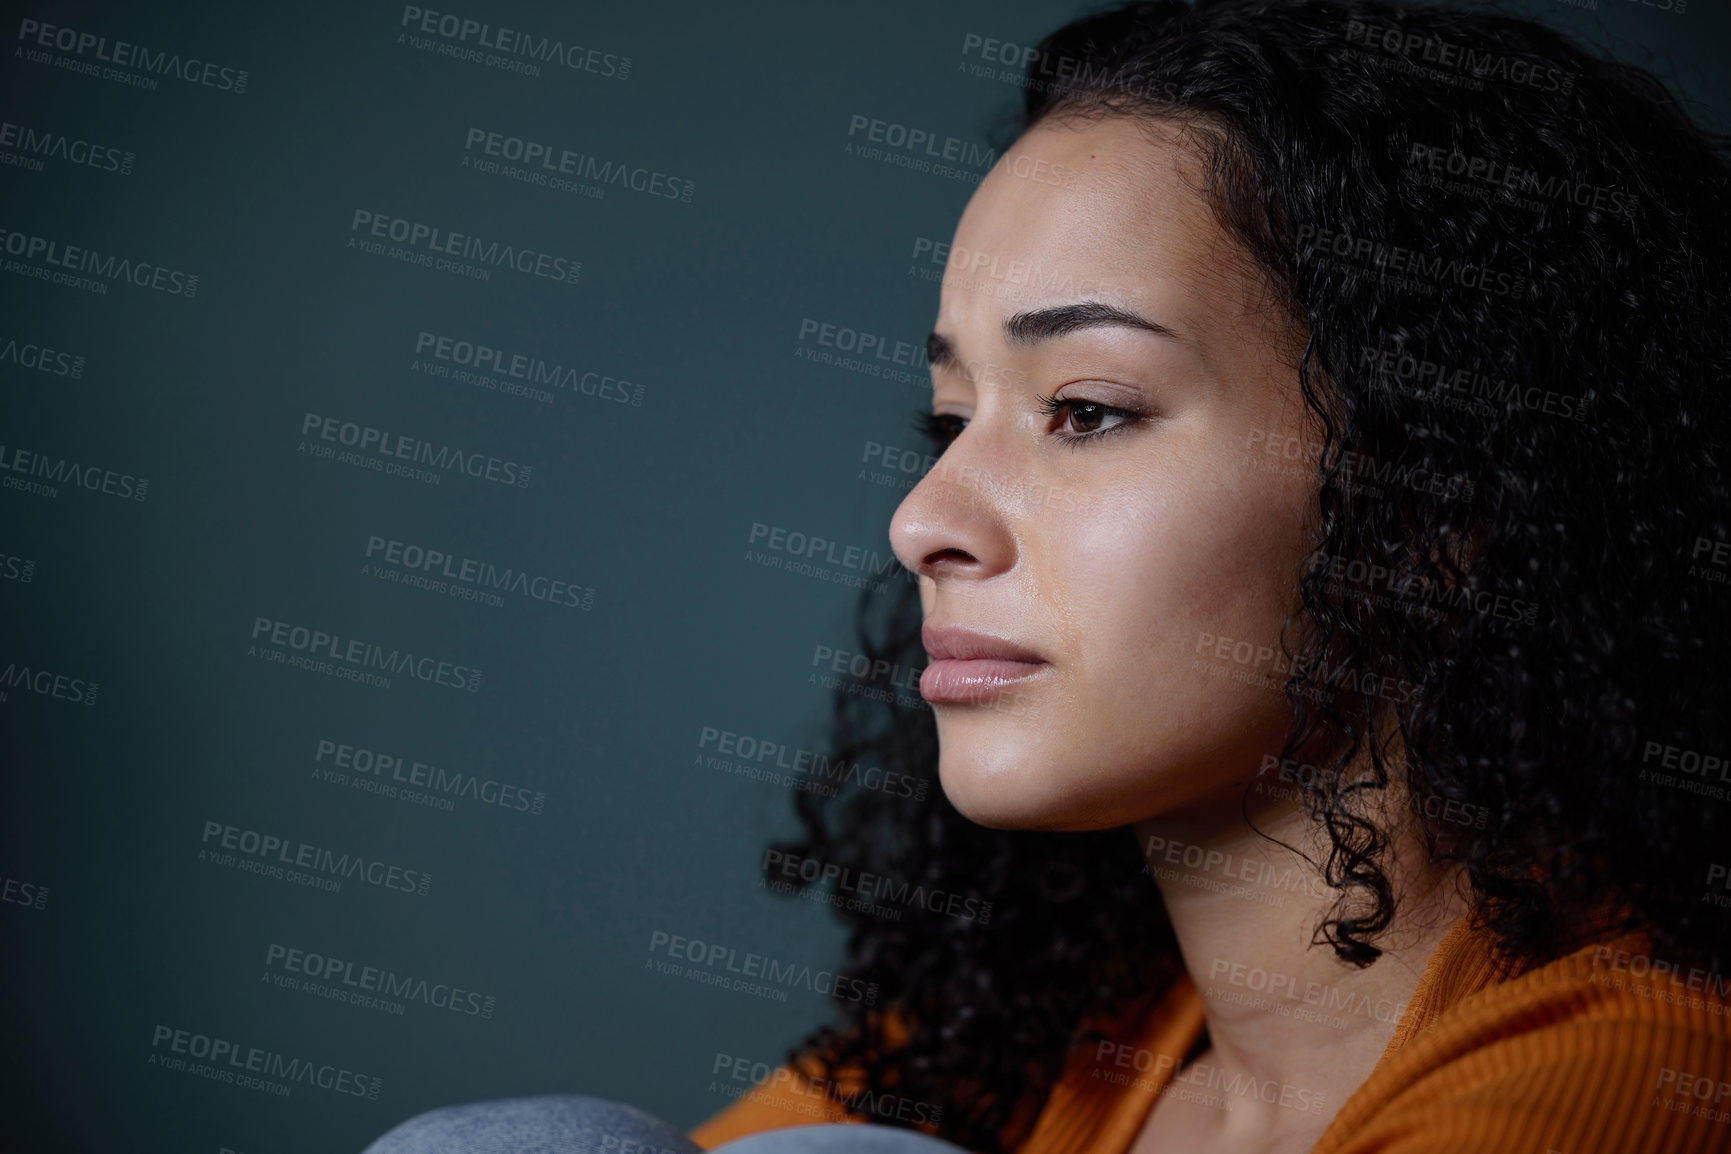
(650, 505)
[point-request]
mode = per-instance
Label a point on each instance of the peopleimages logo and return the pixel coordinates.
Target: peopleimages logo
(1419, 377)
(1408, 267)
(283, 635)
(44, 251)
(433, 239)
(55, 471)
(22, 893)
(16, 568)
(45, 683)
(486, 578)
(35, 145)
(753, 753)
(1459, 63)
(267, 854)
(1255, 871)
(983, 269)
(811, 547)
(1335, 999)
(782, 1087)
(922, 141)
(36, 35)
(231, 1062)
(1517, 180)
(363, 985)
(545, 164)
(860, 890)
(373, 767)
(40, 358)
(488, 360)
(367, 439)
(528, 49)
(712, 963)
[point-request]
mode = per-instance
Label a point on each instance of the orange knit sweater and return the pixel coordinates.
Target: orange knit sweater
(1607, 1050)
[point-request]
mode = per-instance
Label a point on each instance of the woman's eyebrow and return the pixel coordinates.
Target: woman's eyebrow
(1027, 328)
(1044, 324)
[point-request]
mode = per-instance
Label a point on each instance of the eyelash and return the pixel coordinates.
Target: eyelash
(1051, 406)
(942, 428)
(938, 429)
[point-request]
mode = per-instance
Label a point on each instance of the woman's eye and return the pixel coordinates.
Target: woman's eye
(1086, 416)
(941, 428)
(1083, 420)
(1086, 419)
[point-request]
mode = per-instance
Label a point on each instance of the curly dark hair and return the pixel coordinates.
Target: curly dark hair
(1509, 259)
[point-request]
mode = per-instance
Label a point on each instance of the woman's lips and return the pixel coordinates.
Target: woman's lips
(974, 679)
(968, 666)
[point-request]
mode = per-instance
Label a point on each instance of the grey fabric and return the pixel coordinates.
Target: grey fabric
(554, 1124)
(838, 1138)
(579, 1124)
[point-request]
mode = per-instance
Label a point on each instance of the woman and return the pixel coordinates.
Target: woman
(1322, 613)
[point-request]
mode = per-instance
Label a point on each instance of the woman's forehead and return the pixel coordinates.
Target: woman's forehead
(1104, 209)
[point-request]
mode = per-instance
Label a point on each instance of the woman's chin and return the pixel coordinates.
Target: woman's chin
(1016, 793)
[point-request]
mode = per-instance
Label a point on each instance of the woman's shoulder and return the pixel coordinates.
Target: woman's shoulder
(1610, 1048)
(1468, 996)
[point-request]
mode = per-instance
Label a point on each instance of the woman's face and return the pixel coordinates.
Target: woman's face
(1150, 567)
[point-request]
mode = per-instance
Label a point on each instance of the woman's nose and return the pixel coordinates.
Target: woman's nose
(954, 524)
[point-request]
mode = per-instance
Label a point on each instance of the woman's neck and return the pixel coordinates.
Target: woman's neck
(1306, 1027)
